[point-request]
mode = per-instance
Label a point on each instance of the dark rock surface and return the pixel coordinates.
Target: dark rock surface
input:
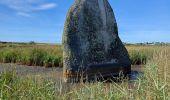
(91, 41)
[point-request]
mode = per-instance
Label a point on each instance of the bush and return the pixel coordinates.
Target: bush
(32, 43)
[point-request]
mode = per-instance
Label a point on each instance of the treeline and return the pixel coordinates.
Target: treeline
(148, 43)
(21, 43)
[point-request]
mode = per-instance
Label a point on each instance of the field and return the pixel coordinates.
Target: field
(51, 55)
(154, 84)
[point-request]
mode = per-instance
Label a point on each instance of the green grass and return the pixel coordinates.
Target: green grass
(14, 88)
(51, 55)
(32, 55)
(141, 56)
(147, 87)
(154, 84)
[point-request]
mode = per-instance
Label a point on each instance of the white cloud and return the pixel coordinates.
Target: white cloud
(23, 14)
(46, 6)
(24, 7)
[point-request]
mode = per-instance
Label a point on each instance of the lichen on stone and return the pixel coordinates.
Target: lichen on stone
(90, 37)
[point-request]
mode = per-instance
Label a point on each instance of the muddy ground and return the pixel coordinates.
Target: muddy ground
(50, 73)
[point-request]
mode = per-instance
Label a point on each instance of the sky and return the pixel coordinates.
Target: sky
(43, 20)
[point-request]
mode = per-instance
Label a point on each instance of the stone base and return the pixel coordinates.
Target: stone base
(95, 72)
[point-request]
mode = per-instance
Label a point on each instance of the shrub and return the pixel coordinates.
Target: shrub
(32, 43)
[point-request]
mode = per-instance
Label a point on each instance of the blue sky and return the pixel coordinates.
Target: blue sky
(43, 20)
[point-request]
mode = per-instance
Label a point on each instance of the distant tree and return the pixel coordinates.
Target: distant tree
(32, 42)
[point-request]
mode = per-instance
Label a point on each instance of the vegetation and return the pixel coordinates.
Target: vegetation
(14, 88)
(51, 55)
(154, 84)
(35, 55)
(140, 54)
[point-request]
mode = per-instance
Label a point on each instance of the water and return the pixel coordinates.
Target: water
(137, 71)
(134, 75)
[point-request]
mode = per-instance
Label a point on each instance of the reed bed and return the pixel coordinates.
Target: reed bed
(140, 55)
(51, 55)
(32, 55)
(153, 84)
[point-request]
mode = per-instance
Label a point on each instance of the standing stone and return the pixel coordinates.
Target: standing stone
(92, 46)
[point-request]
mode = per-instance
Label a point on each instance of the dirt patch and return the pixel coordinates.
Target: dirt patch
(52, 73)
(138, 68)
(23, 70)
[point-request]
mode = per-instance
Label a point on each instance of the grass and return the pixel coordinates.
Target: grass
(32, 55)
(51, 55)
(14, 88)
(141, 56)
(154, 84)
